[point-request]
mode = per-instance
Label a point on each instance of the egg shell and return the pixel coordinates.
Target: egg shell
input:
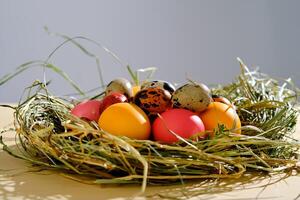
(120, 85)
(112, 98)
(182, 122)
(158, 83)
(89, 110)
(135, 89)
(217, 98)
(194, 97)
(125, 119)
(153, 100)
(219, 113)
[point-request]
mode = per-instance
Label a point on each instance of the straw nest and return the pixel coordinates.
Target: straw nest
(49, 136)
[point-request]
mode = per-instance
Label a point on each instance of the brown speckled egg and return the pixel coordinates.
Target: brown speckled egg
(192, 96)
(153, 100)
(120, 85)
(161, 84)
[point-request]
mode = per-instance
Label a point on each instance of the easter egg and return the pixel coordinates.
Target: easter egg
(89, 110)
(112, 98)
(125, 119)
(217, 98)
(192, 96)
(219, 113)
(135, 89)
(120, 85)
(153, 100)
(180, 121)
(158, 83)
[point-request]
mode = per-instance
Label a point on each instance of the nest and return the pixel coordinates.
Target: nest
(50, 137)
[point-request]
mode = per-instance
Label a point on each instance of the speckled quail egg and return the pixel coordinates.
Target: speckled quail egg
(192, 96)
(120, 85)
(161, 84)
(153, 100)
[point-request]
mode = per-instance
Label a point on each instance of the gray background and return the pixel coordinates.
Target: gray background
(195, 39)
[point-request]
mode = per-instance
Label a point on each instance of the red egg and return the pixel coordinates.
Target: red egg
(180, 121)
(89, 109)
(112, 98)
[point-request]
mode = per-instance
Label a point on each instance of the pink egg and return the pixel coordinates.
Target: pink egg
(89, 109)
(181, 121)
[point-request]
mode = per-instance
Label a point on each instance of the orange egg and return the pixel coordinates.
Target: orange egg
(219, 113)
(217, 98)
(125, 119)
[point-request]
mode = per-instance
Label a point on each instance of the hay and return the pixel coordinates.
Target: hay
(50, 137)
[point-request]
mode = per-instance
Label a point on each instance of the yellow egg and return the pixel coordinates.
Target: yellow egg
(136, 89)
(125, 119)
(219, 113)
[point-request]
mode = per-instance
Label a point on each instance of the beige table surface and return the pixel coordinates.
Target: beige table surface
(17, 183)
